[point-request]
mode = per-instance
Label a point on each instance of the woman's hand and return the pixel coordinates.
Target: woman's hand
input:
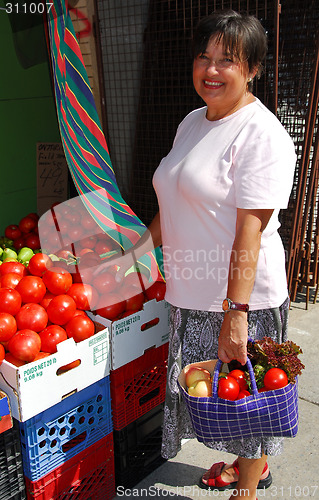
(123, 262)
(233, 337)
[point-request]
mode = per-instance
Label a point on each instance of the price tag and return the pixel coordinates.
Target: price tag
(52, 176)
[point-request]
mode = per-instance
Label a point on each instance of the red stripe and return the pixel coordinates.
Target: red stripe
(60, 61)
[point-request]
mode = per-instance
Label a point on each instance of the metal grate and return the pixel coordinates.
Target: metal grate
(148, 82)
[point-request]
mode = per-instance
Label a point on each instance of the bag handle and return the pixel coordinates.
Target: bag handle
(218, 366)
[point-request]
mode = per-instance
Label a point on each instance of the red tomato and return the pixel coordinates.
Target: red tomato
(74, 217)
(57, 280)
(12, 232)
(75, 233)
(51, 336)
(102, 247)
(89, 259)
(89, 242)
(31, 289)
(69, 366)
(262, 389)
(32, 316)
(39, 263)
(128, 313)
(47, 299)
(19, 243)
(80, 328)
(61, 309)
(8, 326)
(243, 394)
(228, 388)
(79, 312)
(136, 279)
(10, 300)
(14, 361)
(149, 324)
(84, 251)
(239, 375)
(133, 300)
(83, 276)
(110, 306)
(13, 267)
(275, 378)
(27, 224)
(88, 222)
(156, 291)
(25, 345)
(85, 297)
(105, 283)
(65, 254)
(42, 355)
(10, 280)
(34, 216)
(2, 353)
(32, 241)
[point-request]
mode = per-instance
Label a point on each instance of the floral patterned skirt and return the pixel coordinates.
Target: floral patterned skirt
(194, 337)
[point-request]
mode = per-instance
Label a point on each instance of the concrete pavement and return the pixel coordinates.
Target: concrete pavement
(295, 472)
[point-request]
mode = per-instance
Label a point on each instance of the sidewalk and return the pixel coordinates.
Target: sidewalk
(295, 472)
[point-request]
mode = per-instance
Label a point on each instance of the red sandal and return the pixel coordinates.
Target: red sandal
(215, 482)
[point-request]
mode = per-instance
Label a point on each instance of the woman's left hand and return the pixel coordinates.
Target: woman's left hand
(233, 337)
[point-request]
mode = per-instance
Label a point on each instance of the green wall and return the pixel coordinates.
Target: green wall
(27, 116)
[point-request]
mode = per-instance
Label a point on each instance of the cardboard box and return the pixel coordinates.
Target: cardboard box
(36, 386)
(130, 337)
(5, 413)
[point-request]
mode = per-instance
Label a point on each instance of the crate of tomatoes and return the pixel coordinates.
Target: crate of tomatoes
(260, 399)
(49, 346)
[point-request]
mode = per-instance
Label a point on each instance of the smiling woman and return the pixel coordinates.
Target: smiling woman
(226, 59)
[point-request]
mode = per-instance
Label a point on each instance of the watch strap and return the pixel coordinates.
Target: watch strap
(229, 305)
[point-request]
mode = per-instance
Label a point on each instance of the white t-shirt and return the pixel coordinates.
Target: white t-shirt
(245, 160)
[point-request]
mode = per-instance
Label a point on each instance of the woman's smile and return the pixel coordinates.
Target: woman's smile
(221, 81)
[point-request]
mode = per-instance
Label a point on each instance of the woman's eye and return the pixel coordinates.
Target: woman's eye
(202, 56)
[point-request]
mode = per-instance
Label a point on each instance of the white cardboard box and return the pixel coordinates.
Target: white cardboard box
(36, 386)
(128, 338)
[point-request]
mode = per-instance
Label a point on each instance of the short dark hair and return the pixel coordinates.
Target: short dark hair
(241, 34)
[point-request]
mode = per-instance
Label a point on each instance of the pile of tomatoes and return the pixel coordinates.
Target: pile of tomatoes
(24, 234)
(43, 304)
(233, 385)
(40, 307)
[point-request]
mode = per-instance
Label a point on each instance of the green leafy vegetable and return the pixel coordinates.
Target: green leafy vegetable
(266, 353)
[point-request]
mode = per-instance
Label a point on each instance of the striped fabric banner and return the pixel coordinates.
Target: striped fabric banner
(83, 140)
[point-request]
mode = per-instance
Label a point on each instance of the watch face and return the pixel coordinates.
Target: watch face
(225, 305)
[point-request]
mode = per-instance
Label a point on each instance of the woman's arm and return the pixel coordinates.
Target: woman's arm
(241, 277)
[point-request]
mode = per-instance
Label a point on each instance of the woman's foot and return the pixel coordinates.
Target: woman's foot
(222, 476)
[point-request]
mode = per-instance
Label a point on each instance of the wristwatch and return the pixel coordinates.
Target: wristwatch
(229, 305)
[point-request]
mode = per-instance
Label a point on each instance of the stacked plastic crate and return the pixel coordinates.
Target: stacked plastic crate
(139, 347)
(12, 486)
(67, 447)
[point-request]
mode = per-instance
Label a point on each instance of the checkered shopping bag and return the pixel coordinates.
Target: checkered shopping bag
(269, 413)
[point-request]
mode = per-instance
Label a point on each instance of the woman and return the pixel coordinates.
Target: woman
(220, 190)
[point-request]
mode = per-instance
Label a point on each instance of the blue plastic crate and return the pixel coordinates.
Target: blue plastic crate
(57, 434)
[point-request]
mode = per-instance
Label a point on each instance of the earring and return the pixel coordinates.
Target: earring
(249, 80)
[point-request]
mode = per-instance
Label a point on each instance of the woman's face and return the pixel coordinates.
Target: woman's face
(221, 81)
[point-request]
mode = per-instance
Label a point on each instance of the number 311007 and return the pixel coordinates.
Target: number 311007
(28, 8)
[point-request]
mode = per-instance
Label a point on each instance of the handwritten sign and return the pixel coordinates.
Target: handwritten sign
(52, 175)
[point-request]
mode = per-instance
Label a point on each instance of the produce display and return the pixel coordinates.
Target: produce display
(24, 234)
(275, 366)
(44, 297)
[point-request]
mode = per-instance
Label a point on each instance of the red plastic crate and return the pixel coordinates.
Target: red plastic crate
(89, 475)
(138, 386)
